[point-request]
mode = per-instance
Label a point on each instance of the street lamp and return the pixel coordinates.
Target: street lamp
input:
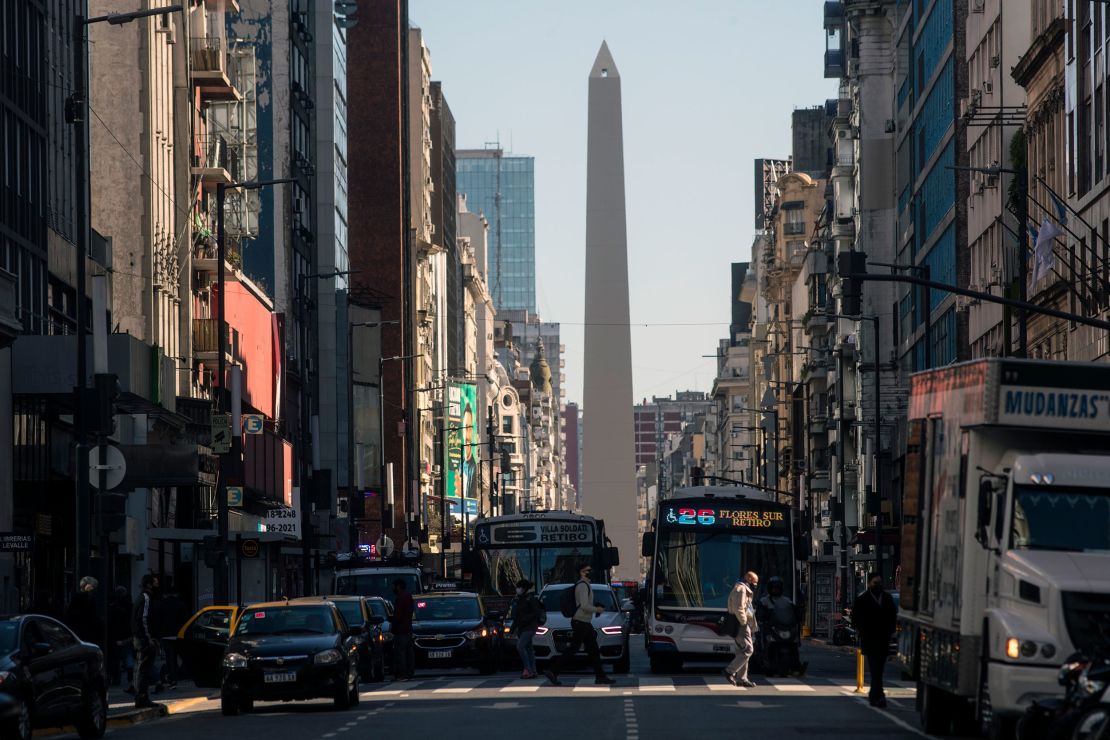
(77, 113)
(351, 477)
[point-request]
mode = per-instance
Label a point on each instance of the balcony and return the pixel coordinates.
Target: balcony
(206, 340)
(213, 68)
(834, 15)
(219, 164)
(834, 64)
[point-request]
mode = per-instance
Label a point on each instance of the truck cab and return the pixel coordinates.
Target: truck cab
(1046, 531)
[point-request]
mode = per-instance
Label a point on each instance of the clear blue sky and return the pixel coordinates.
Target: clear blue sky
(708, 86)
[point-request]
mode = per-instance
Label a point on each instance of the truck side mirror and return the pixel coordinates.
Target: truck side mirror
(986, 499)
(645, 544)
(612, 557)
(999, 518)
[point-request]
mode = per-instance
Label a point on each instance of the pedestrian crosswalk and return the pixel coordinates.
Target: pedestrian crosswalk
(584, 686)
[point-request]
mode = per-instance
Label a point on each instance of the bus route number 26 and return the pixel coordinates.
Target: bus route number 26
(696, 516)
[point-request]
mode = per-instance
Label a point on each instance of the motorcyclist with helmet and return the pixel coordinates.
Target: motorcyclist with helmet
(781, 637)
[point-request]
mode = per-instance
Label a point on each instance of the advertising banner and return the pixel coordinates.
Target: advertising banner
(461, 448)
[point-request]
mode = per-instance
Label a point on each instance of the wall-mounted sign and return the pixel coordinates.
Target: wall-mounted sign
(234, 495)
(252, 423)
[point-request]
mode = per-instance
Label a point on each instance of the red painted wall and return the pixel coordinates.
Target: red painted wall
(251, 324)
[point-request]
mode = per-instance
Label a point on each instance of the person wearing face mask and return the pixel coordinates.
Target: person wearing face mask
(875, 617)
(527, 615)
(741, 604)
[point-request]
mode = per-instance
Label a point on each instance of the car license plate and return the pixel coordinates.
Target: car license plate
(439, 654)
(280, 677)
(722, 649)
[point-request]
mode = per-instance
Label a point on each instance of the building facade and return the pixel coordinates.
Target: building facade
(502, 188)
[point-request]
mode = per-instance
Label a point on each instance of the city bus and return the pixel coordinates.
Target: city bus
(703, 540)
(542, 546)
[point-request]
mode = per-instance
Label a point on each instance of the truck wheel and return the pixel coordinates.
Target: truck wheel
(934, 717)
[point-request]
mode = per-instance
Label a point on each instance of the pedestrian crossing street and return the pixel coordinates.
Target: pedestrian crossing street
(577, 685)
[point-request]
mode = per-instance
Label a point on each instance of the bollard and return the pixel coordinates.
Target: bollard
(859, 671)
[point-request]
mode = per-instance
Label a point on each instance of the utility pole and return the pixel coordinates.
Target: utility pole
(494, 493)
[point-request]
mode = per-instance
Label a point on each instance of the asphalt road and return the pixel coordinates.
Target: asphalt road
(462, 705)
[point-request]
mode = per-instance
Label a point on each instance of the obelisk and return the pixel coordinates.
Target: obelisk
(608, 445)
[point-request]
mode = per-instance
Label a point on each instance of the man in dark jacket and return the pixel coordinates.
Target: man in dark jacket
(527, 615)
(146, 644)
(875, 617)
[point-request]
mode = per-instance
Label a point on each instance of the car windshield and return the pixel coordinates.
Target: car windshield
(286, 620)
(699, 569)
(603, 596)
(374, 584)
(460, 607)
(351, 611)
(1060, 518)
(377, 608)
(9, 635)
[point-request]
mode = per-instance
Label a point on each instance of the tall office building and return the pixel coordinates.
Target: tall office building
(932, 196)
(501, 187)
(608, 471)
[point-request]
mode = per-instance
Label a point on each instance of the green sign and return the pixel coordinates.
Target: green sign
(461, 450)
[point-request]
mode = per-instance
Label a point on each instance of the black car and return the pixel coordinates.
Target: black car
(288, 650)
(49, 678)
(383, 609)
(364, 626)
(453, 629)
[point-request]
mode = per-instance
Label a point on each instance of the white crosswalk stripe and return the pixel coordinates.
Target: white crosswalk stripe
(587, 686)
(656, 684)
(790, 684)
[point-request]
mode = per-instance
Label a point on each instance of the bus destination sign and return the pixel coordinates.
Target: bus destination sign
(536, 533)
(724, 517)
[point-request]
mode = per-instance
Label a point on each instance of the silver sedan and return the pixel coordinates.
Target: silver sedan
(612, 627)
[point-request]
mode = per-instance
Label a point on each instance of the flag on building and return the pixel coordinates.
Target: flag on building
(1061, 209)
(1044, 259)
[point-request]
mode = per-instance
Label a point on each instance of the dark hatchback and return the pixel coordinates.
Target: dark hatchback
(285, 651)
(365, 626)
(49, 678)
(453, 629)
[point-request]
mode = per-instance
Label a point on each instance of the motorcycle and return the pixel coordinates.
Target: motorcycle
(1083, 713)
(780, 634)
(843, 633)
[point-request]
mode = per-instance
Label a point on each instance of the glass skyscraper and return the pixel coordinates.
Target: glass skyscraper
(502, 188)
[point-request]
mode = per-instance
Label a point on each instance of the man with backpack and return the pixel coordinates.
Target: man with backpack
(578, 604)
(528, 615)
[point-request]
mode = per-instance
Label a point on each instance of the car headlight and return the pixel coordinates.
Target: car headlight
(476, 634)
(612, 630)
(327, 657)
(235, 660)
(541, 631)
(1087, 687)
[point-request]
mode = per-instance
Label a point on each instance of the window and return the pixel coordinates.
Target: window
(507, 424)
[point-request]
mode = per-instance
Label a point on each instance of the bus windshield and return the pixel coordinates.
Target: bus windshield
(503, 567)
(698, 569)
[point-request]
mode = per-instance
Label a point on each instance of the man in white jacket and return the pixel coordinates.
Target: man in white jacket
(741, 605)
(582, 629)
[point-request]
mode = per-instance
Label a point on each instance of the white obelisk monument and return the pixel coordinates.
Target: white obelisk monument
(608, 445)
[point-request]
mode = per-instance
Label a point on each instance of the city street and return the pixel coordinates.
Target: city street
(640, 706)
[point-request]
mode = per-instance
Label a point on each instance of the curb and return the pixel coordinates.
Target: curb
(121, 719)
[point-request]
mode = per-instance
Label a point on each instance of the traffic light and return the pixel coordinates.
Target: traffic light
(851, 290)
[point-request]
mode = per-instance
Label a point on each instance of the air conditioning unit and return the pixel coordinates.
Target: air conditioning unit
(992, 181)
(977, 6)
(890, 127)
(988, 87)
(996, 60)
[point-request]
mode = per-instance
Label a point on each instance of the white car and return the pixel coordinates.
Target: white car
(612, 628)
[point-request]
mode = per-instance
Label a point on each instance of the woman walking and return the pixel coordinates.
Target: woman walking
(528, 614)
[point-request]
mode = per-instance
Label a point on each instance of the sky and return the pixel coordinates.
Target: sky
(707, 87)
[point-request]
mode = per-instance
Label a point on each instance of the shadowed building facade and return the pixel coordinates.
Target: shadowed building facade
(608, 464)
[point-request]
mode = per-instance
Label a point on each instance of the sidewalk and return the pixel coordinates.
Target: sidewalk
(122, 711)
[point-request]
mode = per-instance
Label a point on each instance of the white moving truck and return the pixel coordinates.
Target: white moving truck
(1006, 534)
